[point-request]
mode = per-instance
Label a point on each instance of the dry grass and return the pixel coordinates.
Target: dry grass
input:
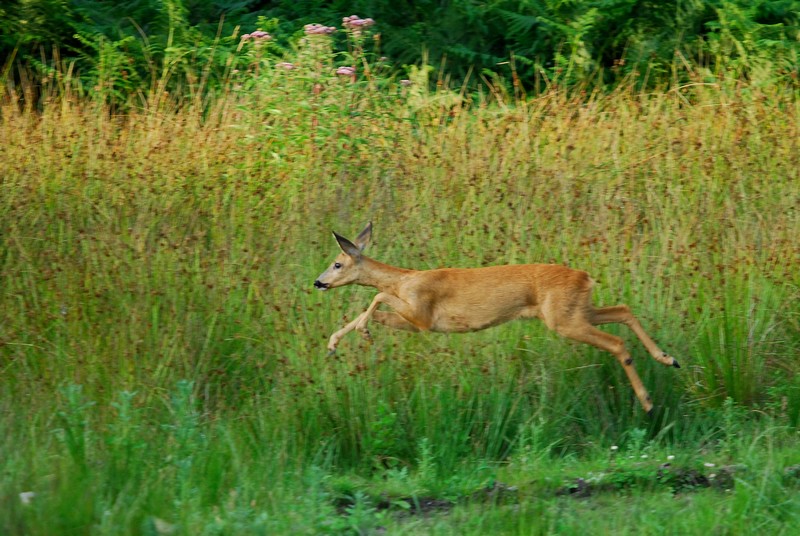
(180, 242)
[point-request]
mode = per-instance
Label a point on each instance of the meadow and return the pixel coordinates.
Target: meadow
(162, 351)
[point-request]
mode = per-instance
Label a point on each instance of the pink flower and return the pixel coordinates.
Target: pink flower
(318, 29)
(285, 65)
(346, 71)
(405, 83)
(258, 35)
(354, 22)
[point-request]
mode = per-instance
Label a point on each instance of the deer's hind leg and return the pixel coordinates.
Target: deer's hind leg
(584, 331)
(622, 314)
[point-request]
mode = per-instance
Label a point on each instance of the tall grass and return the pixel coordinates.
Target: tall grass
(163, 351)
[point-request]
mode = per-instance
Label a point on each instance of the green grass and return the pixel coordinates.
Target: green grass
(162, 350)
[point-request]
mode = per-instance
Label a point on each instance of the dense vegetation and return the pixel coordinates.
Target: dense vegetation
(162, 351)
(127, 46)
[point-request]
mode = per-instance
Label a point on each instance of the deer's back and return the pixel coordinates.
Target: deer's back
(470, 299)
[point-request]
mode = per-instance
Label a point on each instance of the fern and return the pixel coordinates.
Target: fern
(617, 38)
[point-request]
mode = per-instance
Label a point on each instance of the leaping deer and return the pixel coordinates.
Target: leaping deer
(470, 299)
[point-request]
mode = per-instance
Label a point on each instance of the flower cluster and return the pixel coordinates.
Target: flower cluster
(258, 35)
(318, 29)
(354, 22)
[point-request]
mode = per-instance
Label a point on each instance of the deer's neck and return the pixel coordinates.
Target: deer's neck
(383, 277)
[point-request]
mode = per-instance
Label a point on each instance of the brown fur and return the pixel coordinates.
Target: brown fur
(470, 299)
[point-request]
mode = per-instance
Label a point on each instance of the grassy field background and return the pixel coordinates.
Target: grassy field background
(162, 351)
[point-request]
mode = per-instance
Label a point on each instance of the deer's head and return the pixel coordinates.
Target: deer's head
(346, 267)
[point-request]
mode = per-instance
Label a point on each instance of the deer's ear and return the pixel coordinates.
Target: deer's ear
(348, 247)
(364, 237)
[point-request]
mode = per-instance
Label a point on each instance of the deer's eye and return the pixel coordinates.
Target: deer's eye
(337, 265)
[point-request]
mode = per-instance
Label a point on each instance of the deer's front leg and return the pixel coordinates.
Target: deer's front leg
(360, 323)
(336, 337)
(405, 310)
(411, 315)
